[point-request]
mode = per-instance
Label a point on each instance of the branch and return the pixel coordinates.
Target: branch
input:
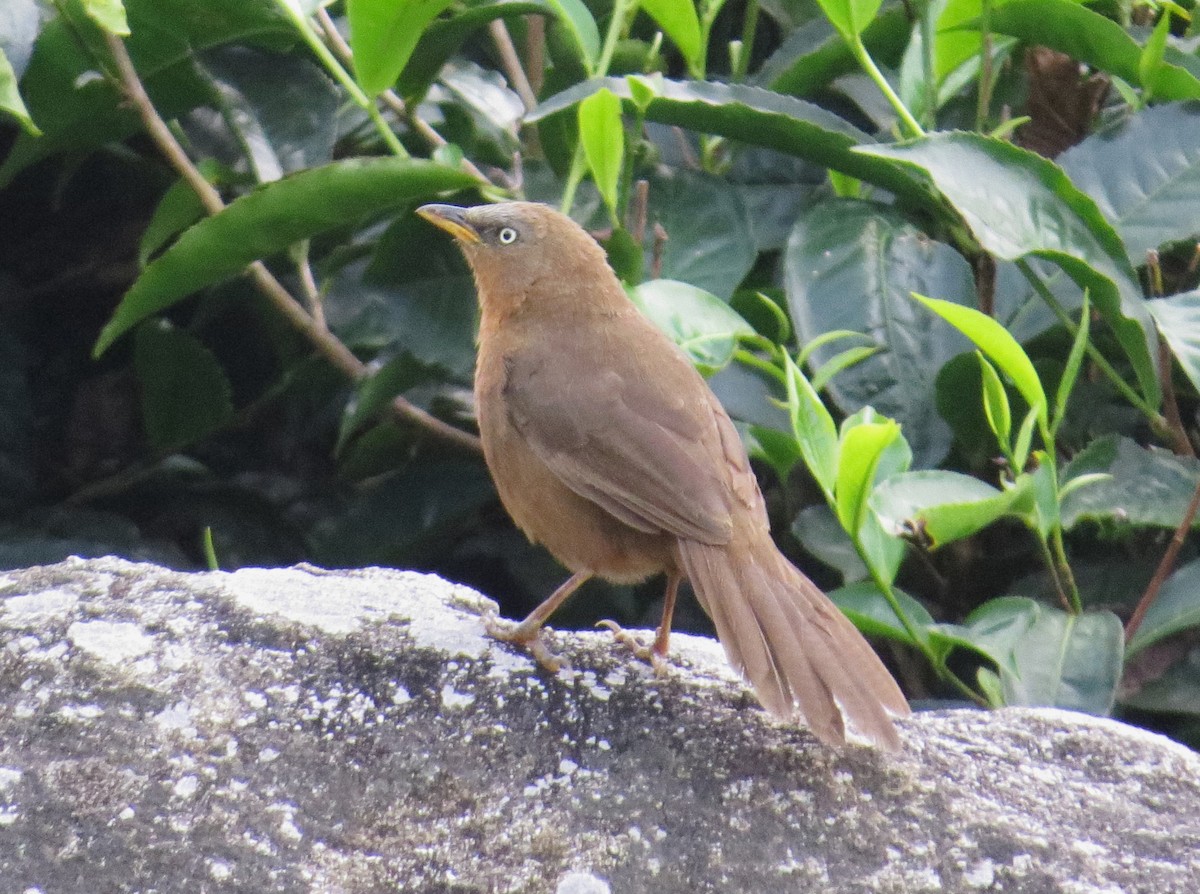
(1164, 567)
(324, 341)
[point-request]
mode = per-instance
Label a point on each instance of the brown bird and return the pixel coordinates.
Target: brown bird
(608, 448)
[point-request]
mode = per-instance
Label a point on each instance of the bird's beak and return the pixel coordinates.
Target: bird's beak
(452, 219)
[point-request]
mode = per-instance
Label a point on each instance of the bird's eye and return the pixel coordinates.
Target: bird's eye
(507, 236)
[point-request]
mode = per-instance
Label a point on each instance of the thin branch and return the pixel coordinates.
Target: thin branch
(511, 63)
(1183, 444)
(325, 342)
(1163, 571)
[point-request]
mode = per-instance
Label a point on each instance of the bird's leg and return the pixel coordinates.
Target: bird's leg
(656, 653)
(528, 633)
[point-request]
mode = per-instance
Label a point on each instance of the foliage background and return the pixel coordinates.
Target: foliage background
(772, 178)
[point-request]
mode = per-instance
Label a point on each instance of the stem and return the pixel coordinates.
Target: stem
(928, 48)
(1064, 570)
(1052, 567)
(749, 28)
(341, 357)
(511, 63)
(987, 75)
(868, 64)
(615, 24)
(1164, 567)
(574, 178)
(1135, 399)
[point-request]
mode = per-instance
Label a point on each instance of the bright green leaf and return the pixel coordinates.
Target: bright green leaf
(109, 15)
(10, 97)
(1024, 440)
(850, 17)
(270, 219)
(383, 34)
(1150, 62)
(603, 140)
(995, 402)
(582, 28)
(858, 456)
(843, 361)
(678, 19)
(940, 506)
(813, 428)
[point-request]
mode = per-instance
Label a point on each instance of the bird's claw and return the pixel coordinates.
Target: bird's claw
(531, 641)
(649, 654)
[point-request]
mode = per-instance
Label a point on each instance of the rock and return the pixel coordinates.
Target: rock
(318, 731)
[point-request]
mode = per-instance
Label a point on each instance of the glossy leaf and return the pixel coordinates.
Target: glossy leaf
(1052, 658)
(269, 220)
(10, 97)
(603, 140)
(940, 506)
(994, 340)
(678, 19)
(1041, 214)
(1088, 36)
(383, 34)
(759, 117)
(850, 17)
(813, 428)
(702, 324)
(1176, 608)
(185, 393)
(1178, 319)
(850, 266)
(1146, 487)
(1144, 176)
(859, 451)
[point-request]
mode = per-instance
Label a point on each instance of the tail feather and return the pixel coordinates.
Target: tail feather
(800, 653)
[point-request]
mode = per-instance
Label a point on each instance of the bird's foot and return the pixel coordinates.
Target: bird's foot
(651, 654)
(528, 638)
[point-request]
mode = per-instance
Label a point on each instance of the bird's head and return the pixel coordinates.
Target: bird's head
(515, 248)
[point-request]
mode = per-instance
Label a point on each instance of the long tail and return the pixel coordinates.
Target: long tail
(800, 653)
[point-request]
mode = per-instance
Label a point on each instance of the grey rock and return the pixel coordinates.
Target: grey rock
(303, 730)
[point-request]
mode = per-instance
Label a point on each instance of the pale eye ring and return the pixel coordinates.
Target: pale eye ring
(507, 236)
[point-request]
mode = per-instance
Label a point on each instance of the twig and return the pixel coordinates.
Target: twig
(325, 342)
(1164, 567)
(535, 51)
(985, 283)
(512, 63)
(660, 241)
(636, 214)
(1183, 444)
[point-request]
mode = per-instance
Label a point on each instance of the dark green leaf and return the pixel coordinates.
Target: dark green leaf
(374, 392)
(1051, 658)
(702, 324)
(871, 613)
(817, 528)
(185, 394)
(759, 117)
(1042, 214)
(1177, 691)
(1178, 319)
(1089, 37)
(268, 221)
(850, 265)
(1147, 487)
(1176, 608)
(1144, 176)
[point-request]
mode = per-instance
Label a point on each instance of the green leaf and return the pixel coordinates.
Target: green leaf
(1034, 497)
(813, 427)
(179, 208)
(1024, 440)
(942, 506)
(1146, 487)
(1043, 214)
(185, 393)
(109, 15)
(1178, 319)
(1074, 363)
(865, 605)
(603, 140)
(1144, 175)
(850, 17)
(842, 362)
(582, 28)
(383, 34)
(10, 97)
(818, 530)
(678, 19)
(1176, 608)
(873, 258)
(702, 324)
(269, 220)
(1052, 658)
(759, 117)
(1150, 62)
(859, 452)
(445, 37)
(1088, 36)
(1177, 691)
(994, 340)
(995, 403)
(374, 392)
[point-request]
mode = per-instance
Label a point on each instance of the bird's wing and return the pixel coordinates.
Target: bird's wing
(643, 437)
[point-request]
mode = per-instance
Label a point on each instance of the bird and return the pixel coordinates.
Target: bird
(608, 448)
